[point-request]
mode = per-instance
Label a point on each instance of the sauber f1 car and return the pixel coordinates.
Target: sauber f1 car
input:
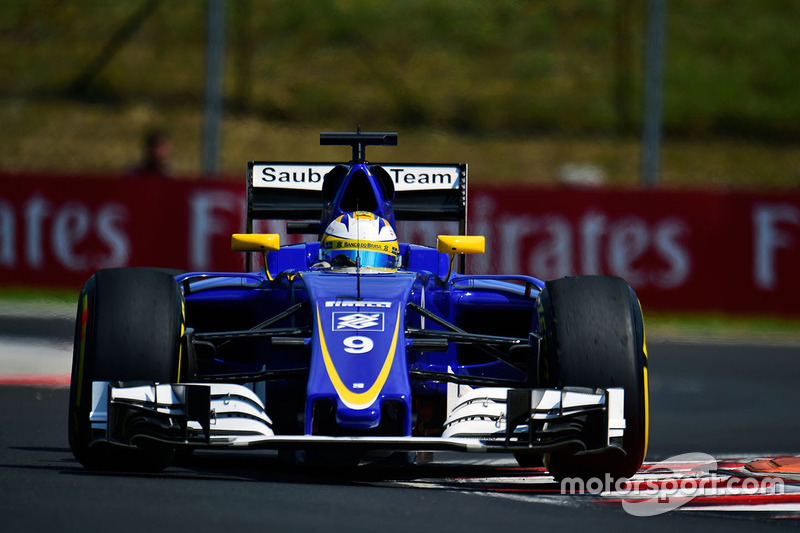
(355, 345)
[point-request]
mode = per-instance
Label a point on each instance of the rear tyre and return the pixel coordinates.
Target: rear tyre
(593, 336)
(129, 328)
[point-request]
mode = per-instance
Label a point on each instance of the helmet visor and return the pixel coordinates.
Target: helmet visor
(368, 258)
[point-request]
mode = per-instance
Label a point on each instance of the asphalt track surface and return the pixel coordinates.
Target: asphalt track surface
(730, 401)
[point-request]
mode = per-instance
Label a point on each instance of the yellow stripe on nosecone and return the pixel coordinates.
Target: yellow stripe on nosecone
(357, 400)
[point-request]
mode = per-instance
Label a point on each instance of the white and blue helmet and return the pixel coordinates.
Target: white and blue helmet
(360, 239)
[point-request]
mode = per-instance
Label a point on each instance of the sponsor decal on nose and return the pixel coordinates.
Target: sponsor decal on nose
(358, 321)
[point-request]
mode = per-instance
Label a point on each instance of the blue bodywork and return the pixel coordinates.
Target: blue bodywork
(344, 352)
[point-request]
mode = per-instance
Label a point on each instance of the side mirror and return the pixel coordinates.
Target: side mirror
(459, 244)
(255, 242)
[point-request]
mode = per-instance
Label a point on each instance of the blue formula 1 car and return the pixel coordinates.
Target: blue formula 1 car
(356, 346)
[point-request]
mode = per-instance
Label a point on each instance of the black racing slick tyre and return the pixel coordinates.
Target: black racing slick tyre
(129, 328)
(593, 336)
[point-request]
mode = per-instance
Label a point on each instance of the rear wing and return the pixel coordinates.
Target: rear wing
(293, 191)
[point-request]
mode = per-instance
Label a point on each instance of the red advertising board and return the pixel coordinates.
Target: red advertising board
(681, 250)
(56, 232)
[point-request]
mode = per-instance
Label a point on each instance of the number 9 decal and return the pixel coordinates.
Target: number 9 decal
(358, 344)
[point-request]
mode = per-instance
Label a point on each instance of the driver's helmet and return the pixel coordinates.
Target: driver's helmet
(360, 239)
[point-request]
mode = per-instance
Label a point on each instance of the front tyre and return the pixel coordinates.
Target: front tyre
(593, 336)
(129, 328)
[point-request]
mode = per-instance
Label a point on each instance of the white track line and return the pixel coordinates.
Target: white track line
(24, 356)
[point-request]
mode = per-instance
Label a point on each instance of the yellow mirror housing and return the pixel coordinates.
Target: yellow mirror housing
(255, 242)
(461, 244)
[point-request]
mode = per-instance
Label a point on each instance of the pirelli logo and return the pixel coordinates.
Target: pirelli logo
(358, 303)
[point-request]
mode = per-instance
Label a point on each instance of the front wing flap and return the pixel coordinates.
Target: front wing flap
(220, 415)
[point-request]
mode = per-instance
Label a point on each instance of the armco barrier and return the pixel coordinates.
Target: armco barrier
(681, 250)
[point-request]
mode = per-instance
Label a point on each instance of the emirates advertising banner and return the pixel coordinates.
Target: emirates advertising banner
(735, 252)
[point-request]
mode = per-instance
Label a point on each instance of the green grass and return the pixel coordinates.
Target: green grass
(104, 140)
(722, 327)
(517, 89)
(11, 296)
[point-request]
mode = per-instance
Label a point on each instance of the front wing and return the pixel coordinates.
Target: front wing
(489, 419)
